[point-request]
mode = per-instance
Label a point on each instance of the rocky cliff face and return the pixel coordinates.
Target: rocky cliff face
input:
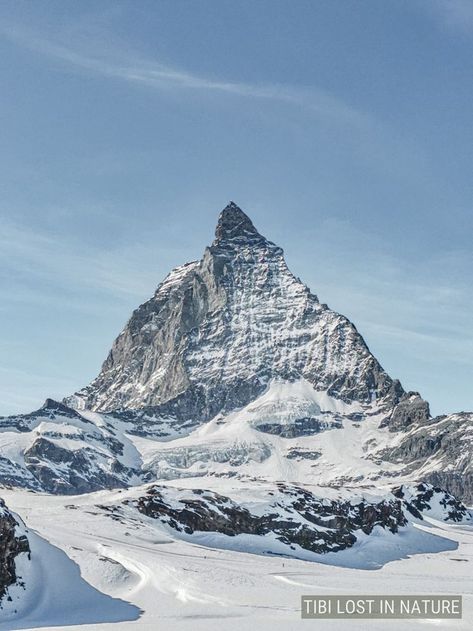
(219, 329)
(293, 515)
(425, 499)
(58, 450)
(410, 410)
(296, 516)
(13, 541)
(440, 452)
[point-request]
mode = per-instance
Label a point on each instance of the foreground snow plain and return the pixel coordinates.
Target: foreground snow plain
(105, 573)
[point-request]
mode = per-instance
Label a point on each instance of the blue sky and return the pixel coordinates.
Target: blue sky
(344, 129)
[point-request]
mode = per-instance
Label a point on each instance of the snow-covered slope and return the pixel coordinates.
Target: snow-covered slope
(61, 451)
(290, 433)
(44, 585)
(99, 550)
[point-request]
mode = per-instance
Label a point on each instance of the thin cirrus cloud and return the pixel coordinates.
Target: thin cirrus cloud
(32, 258)
(455, 15)
(158, 76)
(376, 143)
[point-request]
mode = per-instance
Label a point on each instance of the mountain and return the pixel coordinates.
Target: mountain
(218, 330)
(262, 410)
(234, 411)
(234, 368)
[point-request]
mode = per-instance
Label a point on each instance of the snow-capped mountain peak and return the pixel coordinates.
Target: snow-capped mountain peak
(218, 330)
(234, 368)
(233, 223)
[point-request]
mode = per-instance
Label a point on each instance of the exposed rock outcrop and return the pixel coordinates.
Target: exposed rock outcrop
(299, 427)
(441, 451)
(411, 410)
(430, 500)
(13, 541)
(71, 471)
(66, 453)
(295, 517)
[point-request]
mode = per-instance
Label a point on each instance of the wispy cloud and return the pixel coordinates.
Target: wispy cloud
(455, 15)
(375, 142)
(153, 74)
(33, 263)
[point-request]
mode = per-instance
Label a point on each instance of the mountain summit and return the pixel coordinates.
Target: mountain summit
(218, 330)
(234, 223)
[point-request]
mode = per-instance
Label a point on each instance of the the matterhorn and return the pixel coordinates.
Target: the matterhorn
(234, 414)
